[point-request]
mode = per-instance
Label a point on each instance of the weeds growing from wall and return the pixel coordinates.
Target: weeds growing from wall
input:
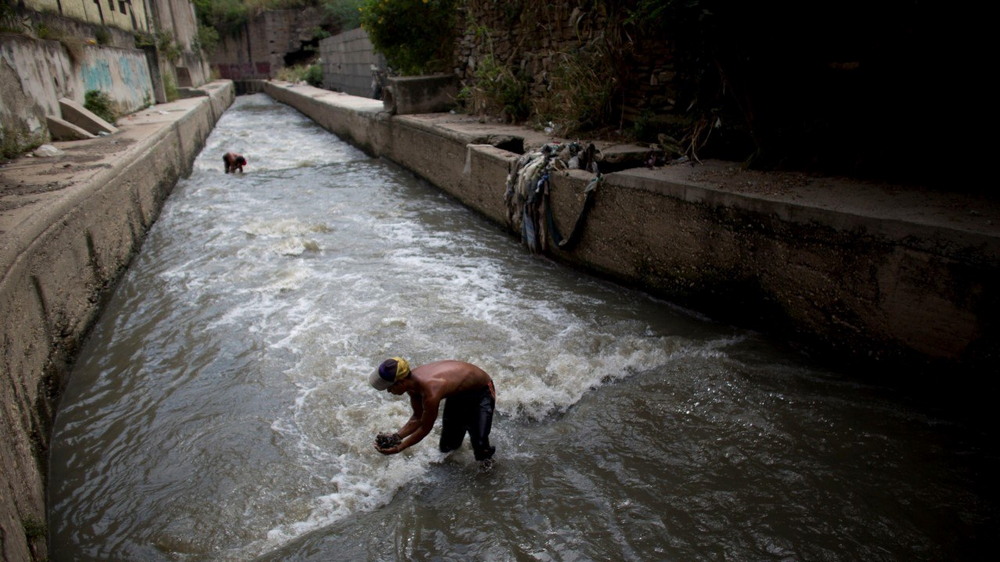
(74, 46)
(33, 529)
(14, 143)
(170, 86)
(102, 36)
(207, 39)
(100, 104)
(10, 20)
(580, 92)
(498, 90)
(311, 74)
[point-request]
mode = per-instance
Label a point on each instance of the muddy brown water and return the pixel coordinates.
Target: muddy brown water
(220, 409)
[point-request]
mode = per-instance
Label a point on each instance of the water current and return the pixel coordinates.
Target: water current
(220, 408)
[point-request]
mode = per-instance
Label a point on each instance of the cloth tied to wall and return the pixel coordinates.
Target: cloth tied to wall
(527, 193)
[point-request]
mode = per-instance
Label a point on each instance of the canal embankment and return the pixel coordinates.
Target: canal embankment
(69, 225)
(879, 276)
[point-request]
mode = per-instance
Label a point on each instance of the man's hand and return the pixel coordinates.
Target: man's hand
(387, 443)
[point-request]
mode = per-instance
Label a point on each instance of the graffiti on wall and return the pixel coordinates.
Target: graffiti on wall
(124, 75)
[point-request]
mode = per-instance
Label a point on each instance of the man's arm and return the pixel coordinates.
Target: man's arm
(411, 425)
(417, 427)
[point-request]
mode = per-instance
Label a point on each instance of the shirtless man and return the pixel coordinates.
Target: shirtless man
(470, 395)
(233, 162)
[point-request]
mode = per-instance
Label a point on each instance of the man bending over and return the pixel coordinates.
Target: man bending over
(233, 162)
(470, 395)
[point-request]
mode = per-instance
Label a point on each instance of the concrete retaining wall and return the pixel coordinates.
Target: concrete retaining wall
(851, 285)
(35, 74)
(58, 260)
(347, 63)
(258, 50)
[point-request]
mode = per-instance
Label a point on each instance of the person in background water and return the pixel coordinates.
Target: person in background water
(234, 162)
(471, 399)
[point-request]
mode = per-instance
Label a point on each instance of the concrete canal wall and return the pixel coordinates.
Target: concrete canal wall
(879, 276)
(69, 225)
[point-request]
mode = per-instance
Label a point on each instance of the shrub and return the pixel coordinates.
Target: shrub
(346, 13)
(311, 74)
(581, 88)
(208, 38)
(100, 104)
(314, 75)
(497, 90)
(415, 36)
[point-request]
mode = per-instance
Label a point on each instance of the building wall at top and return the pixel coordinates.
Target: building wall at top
(124, 14)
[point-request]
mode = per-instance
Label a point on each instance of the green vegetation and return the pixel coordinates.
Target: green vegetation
(311, 74)
(581, 90)
(228, 17)
(225, 16)
(9, 145)
(207, 39)
(10, 20)
(167, 47)
(346, 13)
(415, 36)
(34, 529)
(100, 104)
(102, 36)
(314, 75)
(498, 90)
(162, 41)
(170, 86)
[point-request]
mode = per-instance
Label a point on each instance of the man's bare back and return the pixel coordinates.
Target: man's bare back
(443, 378)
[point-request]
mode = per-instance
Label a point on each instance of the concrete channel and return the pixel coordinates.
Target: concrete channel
(878, 274)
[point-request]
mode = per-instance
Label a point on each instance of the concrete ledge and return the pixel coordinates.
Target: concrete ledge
(84, 118)
(66, 131)
(67, 232)
(875, 276)
(420, 94)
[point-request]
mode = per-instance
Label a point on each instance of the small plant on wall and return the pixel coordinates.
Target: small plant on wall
(100, 104)
(415, 36)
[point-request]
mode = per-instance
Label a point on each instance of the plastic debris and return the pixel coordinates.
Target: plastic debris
(48, 151)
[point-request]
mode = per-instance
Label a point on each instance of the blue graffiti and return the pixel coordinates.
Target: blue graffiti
(97, 76)
(135, 75)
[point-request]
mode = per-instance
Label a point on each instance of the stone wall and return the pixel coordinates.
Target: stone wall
(539, 41)
(258, 51)
(347, 61)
